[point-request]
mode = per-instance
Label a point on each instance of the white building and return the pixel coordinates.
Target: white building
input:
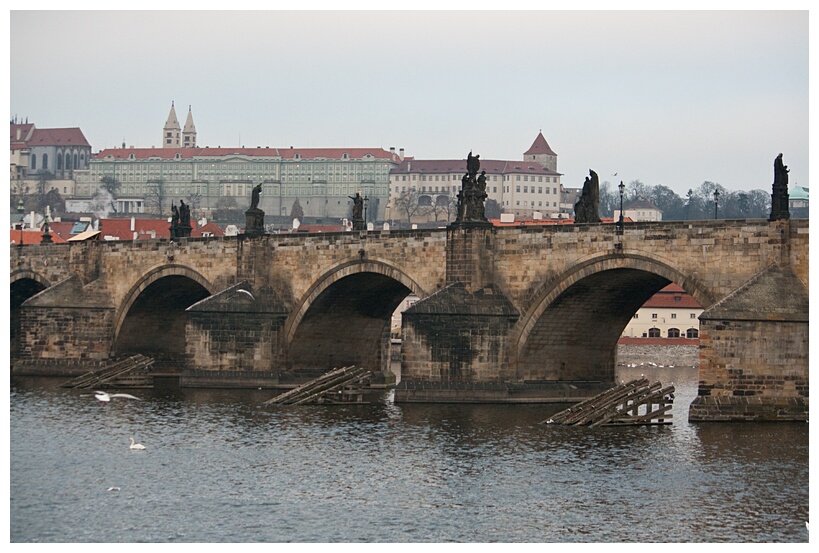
(670, 313)
(640, 210)
(519, 187)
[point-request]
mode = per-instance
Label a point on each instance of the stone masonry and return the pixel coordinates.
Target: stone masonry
(538, 304)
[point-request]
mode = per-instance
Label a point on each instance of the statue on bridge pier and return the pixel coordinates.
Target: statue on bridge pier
(779, 195)
(586, 210)
(472, 195)
(180, 220)
(358, 211)
(254, 217)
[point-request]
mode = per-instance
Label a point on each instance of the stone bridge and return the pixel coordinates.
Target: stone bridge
(506, 314)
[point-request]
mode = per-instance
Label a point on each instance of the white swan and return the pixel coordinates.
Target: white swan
(135, 445)
(246, 292)
(104, 396)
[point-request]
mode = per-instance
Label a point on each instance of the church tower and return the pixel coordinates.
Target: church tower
(540, 152)
(171, 134)
(189, 132)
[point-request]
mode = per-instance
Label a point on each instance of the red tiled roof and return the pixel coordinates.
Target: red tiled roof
(61, 228)
(34, 237)
(24, 129)
(547, 221)
(641, 203)
(121, 228)
(539, 146)
(491, 166)
(210, 227)
(58, 137)
(280, 153)
(672, 296)
(321, 228)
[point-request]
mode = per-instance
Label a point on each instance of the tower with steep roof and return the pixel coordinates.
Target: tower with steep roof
(171, 134)
(189, 132)
(540, 152)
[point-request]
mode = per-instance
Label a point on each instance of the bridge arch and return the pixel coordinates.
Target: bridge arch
(344, 317)
(24, 285)
(572, 328)
(151, 317)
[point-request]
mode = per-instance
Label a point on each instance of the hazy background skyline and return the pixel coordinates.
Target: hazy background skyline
(667, 97)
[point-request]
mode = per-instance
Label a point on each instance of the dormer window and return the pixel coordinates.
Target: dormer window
(298, 156)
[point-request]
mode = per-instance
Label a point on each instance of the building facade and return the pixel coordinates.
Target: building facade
(322, 180)
(640, 210)
(670, 313)
(54, 154)
(519, 187)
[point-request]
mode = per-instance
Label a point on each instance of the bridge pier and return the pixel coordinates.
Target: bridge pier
(754, 352)
(507, 314)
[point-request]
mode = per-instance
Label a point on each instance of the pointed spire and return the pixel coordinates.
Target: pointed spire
(172, 121)
(171, 131)
(189, 126)
(539, 146)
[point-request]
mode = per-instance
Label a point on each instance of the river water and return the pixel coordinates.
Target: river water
(219, 467)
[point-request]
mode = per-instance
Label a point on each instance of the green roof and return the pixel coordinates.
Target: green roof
(798, 193)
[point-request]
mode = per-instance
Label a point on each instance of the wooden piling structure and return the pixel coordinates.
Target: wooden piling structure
(634, 403)
(336, 386)
(109, 373)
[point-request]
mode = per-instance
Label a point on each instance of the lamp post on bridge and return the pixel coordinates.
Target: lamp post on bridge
(716, 203)
(622, 220)
(21, 208)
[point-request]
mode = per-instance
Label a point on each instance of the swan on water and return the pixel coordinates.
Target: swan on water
(104, 396)
(135, 445)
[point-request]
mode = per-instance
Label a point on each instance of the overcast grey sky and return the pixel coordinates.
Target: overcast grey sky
(667, 97)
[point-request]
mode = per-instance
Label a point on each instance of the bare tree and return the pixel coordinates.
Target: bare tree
(407, 203)
(111, 185)
(194, 200)
(155, 196)
(19, 192)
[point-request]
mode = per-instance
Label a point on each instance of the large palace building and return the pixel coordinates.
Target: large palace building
(519, 187)
(321, 180)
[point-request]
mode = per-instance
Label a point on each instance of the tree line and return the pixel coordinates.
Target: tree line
(698, 203)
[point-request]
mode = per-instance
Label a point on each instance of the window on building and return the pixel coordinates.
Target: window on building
(654, 332)
(45, 161)
(673, 315)
(692, 316)
(540, 190)
(636, 316)
(653, 315)
(692, 333)
(525, 189)
(673, 332)
(517, 189)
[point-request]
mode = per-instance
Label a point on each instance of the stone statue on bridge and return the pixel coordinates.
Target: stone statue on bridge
(180, 220)
(779, 195)
(472, 195)
(358, 211)
(586, 210)
(254, 217)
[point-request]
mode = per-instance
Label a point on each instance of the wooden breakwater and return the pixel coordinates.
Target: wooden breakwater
(344, 385)
(112, 373)
(633, 403)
